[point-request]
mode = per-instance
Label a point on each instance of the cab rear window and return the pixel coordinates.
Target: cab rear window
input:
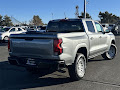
(65, 26)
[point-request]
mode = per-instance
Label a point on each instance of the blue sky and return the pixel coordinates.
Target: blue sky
(23, 10)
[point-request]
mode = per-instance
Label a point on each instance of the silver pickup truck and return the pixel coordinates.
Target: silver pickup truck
(66, 43)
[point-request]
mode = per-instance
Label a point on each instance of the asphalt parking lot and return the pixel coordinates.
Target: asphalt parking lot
(100, 75)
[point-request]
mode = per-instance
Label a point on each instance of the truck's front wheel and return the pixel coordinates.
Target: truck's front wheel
(77, 70)
(111, 53)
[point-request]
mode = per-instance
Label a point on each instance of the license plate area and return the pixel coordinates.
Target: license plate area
(31, 62)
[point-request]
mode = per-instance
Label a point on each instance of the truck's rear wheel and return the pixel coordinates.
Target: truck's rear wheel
(77, 70)
(111, 53)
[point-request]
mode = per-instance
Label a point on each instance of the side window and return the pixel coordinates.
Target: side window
(99, 27)
(12, 30)
(19, 29)
(90, 26)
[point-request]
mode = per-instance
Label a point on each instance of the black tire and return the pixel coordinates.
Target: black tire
(77, 69)
(111, 53)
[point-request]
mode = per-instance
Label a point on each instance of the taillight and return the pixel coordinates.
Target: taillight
(57, 46)
(8, 44)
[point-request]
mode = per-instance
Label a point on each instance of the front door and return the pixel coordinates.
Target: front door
(102, 37)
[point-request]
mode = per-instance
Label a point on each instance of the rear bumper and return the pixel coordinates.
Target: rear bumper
(38, 63)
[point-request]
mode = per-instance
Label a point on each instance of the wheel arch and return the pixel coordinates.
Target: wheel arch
(5, 36)
(113, 42)
(82, 48)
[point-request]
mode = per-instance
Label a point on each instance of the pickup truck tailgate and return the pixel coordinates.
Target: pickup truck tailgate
(32, 46)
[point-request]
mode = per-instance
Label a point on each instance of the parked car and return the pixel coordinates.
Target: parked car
(6, 32)
(105, 26)
(24, 27)
(112, 27)
(42, 29)
(37, 28)
(32, 28)
(114, 30)
(66, 43)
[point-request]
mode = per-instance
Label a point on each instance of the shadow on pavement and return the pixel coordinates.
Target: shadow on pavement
(92, 60)
(98, 58)
(17, 78)
(3, 44)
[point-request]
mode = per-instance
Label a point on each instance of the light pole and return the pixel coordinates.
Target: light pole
(84, 8)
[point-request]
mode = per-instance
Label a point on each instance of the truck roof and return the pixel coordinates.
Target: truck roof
(70, 19)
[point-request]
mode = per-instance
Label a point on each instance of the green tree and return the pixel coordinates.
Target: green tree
(87, 15)
(37, 21)
(107, 17)
(7, 21)
(1, 20)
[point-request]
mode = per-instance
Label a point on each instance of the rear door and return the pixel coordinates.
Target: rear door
(93, 38)
(19, 30)
(12, 31)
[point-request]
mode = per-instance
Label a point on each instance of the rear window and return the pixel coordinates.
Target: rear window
(19, 29)
(43, 28)
(4, 29)
(65, 26)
